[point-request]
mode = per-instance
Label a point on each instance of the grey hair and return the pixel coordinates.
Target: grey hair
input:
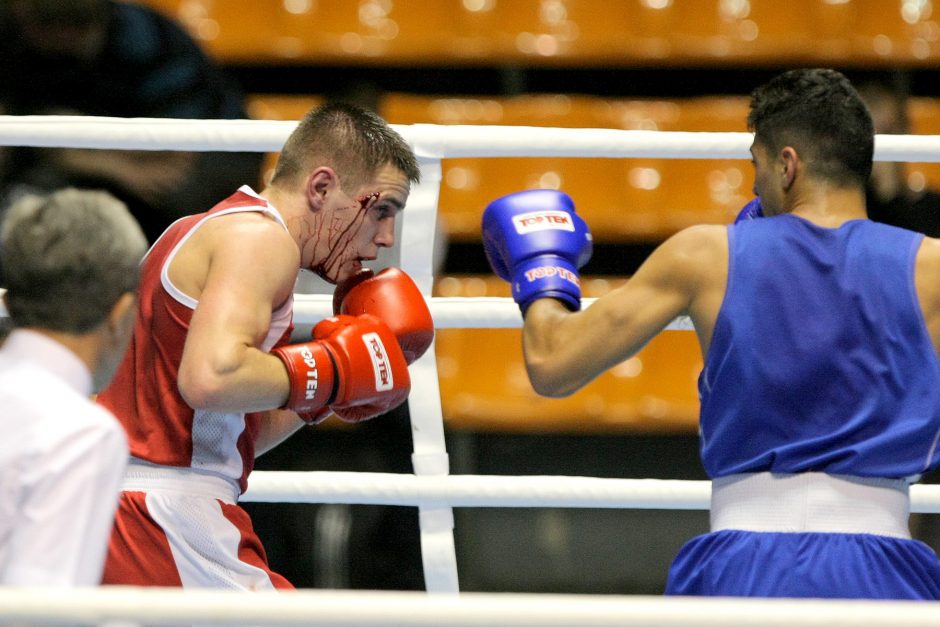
(67, 258)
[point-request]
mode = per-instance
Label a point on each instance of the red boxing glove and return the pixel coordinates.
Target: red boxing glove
(371, 373)
(312, 375)
(392, 296)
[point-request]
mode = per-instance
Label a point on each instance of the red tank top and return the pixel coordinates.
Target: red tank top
(161, 427)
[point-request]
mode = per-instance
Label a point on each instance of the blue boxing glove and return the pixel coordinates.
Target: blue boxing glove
(536, 241)
(750, 211)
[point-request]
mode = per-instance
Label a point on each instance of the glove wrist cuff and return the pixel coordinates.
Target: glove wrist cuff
(312, 375)
(547, 276)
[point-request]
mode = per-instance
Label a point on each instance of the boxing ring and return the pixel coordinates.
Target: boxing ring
(432, 489)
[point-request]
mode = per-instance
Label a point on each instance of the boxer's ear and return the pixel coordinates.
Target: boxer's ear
(790, 165)
(320, 184)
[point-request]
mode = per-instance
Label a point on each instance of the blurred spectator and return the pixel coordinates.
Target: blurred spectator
(108, 58)
(890, 197)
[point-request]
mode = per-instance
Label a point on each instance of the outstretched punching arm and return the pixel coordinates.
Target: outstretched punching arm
(685, 275)
(564, 348)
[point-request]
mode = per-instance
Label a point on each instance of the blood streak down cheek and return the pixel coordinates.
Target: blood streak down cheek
(331, 242)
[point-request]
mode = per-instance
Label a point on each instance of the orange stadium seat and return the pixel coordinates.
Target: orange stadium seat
(562, 30)
(746, 32)
(597, 186)
(484, 385)
(831, 26)
(925, 120)
(892, 32)
(387, 32)
(464, 188)
(700, 191)
(289, 31)
(232, 31)
(622, 199)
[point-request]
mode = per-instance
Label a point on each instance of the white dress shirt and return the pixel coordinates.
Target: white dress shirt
(62, 460)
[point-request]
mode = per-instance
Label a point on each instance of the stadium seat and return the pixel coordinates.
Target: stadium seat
(465, 187)
(562, 31)
(744, 32)
(622, 199)
(894, 32)
(832, 27)
(925, 120)
(369, 30)
(235, 32)
(484, 385)
(706, 191)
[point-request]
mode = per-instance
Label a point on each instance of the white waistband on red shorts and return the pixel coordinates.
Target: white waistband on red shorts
(142, 476)
(811, 502)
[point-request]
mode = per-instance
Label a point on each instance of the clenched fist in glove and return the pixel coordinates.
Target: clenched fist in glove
(354, 366)
(393, 297)
(536, 241)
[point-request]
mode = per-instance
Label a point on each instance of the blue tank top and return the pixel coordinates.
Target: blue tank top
(820, 358)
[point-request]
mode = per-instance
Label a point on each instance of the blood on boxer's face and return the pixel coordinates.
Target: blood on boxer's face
(355, 226)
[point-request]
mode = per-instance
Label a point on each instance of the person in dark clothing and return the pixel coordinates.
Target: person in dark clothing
(108, 58)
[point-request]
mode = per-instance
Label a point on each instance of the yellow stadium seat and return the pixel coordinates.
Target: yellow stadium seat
(484, 385)
(288, 31)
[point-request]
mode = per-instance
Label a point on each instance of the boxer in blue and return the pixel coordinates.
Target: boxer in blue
(820, 331)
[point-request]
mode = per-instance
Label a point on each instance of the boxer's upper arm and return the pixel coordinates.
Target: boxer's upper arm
(251, 270)
(565, 351)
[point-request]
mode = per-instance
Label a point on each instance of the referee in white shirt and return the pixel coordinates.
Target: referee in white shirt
(70, 268)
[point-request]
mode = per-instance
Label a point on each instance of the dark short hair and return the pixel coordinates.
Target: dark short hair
(353, 141)
(67, 258)
(818, 112)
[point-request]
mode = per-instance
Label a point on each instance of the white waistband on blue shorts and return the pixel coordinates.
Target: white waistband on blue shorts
(142, 476)
(811, 502)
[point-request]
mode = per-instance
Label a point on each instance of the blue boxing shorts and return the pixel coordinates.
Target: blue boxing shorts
(807, 535)
(805, 565)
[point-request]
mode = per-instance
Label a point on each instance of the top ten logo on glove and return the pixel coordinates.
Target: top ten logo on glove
(542, 221)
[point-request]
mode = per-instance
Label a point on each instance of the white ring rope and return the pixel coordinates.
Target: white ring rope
(369, 488)
(431, 489)
(339, 608)
(450, 312)
(429, 140)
